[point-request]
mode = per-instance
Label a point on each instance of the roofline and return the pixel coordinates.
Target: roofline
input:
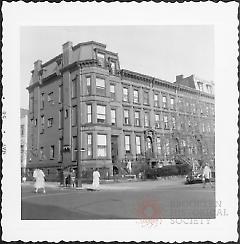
(74, 48)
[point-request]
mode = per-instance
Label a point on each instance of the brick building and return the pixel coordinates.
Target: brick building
(84, 108)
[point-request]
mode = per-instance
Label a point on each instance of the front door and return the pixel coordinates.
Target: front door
(114, 148)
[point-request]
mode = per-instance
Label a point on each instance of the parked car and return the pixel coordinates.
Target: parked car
(195, 177)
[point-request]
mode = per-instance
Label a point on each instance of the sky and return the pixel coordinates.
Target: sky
(159, 51)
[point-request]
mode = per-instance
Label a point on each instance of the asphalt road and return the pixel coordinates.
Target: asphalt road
(138, 200)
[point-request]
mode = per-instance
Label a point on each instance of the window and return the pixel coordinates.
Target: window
(60, 147)
(172, 103)
(66, 113)
(126, 117)
(194, 108)
(100, 87)
(50, 122)
(164, 100)
(74, 115)
(125, 94)
(89, 145)
(41, 154)
(113, 67)
(159, 148)
(182, 121)
(35, 122)
(156, 100)
(187, 106)
(146, 119)
(50, 97)
(22, 130)
(173, 122)
(138, 144)
(209, 89)
(60, 119)
(145, 97)
(89, 113)
(60, 94)
(167, 147)
(157, 120)
(135, 96)
(137, 118)
(74, 88)
(165, 121)
(88, 81)
(42, 124)
(101, 59)
(52, 152)
(200, 86)
(74, 148)
(180, 103)
(101, 114)
(112, 91)
(42, 101)
(113, 116)
(127, 144)
(101, 145)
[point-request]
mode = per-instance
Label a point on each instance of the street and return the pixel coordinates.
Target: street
(130, 200)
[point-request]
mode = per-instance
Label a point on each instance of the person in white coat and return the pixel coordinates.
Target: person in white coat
(207, 175)
(96, 179)
(38, 175)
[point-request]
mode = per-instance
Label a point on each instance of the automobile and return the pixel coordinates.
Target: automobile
(193, 178)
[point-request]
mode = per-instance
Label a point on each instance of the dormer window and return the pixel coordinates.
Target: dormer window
(113, 67)
(101, 58)
(200, 86)
(209, 89)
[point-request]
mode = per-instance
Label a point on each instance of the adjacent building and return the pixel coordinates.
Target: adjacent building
(83, 108)
(24, 137)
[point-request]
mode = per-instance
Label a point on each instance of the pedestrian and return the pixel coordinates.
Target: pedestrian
(96, 177)
(73, 177)
(207, 175)
(129, 166)
(38, 175)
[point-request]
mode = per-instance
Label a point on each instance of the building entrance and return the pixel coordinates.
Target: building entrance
(114, 148)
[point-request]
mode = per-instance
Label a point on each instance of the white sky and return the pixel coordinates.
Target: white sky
(159, 51)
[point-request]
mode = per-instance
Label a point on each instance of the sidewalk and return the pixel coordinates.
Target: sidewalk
(122, 184)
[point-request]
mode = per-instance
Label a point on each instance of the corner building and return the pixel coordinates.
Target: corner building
(84, 108)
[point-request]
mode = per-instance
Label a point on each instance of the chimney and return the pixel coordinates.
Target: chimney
(35, 73)
(37, 65)
(179, 78)
(67, 53)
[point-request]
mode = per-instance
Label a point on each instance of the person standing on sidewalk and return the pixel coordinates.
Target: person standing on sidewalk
(129, 166)
(38, 175)
(207, 175)
(96, 177)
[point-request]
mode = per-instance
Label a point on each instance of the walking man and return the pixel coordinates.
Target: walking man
(207, 175)
(129, 166)
(38, 175)
(96, 177)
